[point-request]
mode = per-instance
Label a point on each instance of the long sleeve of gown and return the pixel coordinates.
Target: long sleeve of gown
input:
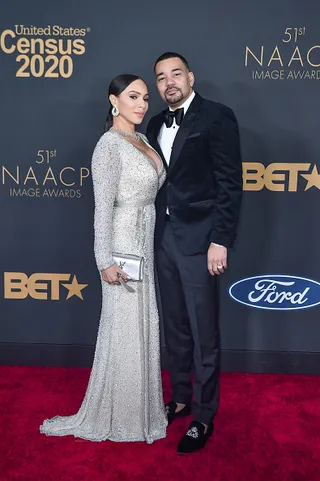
(105, 169)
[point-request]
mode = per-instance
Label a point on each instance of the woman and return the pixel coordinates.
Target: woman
(124, 400)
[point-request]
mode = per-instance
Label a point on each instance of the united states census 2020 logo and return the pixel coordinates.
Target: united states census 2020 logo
(46, 51)
(276, 292)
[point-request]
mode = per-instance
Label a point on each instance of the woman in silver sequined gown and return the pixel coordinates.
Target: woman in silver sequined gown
(123, 401)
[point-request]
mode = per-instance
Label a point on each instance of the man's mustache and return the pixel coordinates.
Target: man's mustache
(172, 88)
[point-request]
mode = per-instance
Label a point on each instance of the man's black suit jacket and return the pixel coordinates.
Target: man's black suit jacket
(204, 178)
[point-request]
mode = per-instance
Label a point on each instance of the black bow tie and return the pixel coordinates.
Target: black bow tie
(169, 115)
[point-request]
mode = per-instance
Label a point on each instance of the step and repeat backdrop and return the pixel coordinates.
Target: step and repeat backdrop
(56, 62)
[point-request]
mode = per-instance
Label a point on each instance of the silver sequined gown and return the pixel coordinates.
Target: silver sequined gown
(123, 401)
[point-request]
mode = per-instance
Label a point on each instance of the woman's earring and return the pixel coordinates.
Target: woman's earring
(115, 111)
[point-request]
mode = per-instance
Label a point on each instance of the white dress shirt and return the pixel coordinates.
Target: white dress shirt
(168, 134)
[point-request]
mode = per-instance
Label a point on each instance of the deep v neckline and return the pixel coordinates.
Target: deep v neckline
(153, 164)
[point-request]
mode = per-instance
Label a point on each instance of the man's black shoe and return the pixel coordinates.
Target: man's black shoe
(195, 438)
(171, 411)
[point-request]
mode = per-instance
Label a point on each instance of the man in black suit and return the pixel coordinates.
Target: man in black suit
(197, 215)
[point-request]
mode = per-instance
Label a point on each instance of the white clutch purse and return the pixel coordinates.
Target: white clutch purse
(132, 265)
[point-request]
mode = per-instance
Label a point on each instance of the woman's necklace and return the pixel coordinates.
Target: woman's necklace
(134, 135)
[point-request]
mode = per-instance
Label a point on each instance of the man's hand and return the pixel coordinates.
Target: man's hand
(217, 259)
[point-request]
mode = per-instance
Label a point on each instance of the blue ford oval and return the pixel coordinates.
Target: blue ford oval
(276, 292)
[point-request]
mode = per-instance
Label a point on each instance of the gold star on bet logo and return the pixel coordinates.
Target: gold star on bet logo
(313, 178)
(74, 288)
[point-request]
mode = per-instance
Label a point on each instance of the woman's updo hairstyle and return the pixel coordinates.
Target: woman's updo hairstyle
(116, 87)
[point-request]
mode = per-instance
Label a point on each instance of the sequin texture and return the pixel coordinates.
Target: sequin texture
(123, 401)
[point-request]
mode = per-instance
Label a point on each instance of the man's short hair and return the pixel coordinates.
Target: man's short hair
(167, 55)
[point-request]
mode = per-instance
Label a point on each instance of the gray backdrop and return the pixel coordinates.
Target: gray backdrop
(56, 63)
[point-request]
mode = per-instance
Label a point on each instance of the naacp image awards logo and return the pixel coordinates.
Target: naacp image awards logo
(45, 178)
(292, 58)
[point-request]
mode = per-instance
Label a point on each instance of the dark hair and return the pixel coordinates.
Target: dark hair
(167, 55)
(116, 87)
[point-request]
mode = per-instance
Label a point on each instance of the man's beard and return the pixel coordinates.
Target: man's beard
(174, 99)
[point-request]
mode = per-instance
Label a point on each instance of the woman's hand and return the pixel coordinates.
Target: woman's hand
(112, 273)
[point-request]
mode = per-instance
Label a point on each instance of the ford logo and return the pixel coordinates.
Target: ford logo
(276, 292)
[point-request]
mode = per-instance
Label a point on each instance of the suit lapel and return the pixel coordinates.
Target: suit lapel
(185, 128)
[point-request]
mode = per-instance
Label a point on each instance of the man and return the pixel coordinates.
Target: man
(197, 215)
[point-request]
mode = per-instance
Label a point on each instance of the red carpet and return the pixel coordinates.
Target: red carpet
(267, 429)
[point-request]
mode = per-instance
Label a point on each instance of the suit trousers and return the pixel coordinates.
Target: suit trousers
(189, 306)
